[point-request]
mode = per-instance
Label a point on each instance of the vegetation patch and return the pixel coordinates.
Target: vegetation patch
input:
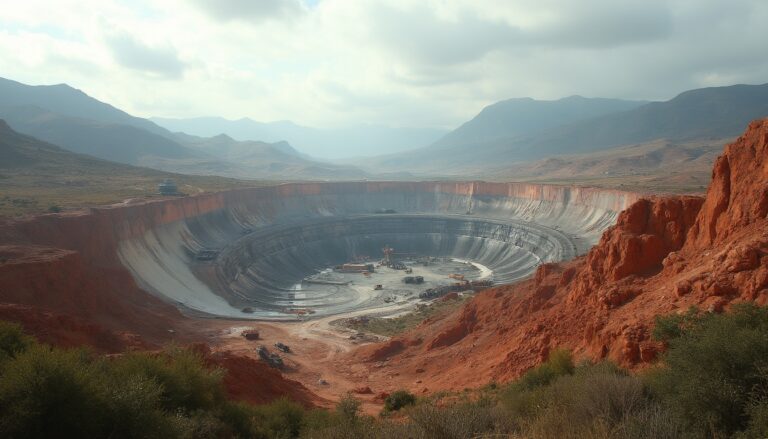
(711, 383)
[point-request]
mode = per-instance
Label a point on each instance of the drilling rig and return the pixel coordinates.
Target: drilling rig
(387, 250)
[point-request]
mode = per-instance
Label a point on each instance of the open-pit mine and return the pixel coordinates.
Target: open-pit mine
(323, 249)
(278, 281)
(287, 261)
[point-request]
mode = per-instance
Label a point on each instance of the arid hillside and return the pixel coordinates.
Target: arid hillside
(664, 255)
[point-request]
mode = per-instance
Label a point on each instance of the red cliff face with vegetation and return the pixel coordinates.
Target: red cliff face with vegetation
(664, 255)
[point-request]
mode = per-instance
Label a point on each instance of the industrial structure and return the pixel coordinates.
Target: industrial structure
(168, 187)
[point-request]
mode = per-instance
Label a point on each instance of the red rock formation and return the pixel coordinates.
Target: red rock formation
(663, 256)
(738, 195)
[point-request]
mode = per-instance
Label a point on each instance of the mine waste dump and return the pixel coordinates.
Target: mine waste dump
(321, 249)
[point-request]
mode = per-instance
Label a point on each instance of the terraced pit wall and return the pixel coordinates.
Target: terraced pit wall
(495, 223)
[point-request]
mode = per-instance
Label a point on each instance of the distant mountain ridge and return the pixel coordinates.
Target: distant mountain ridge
(358, 141)
(108, 141)
(66, 117)
(69, 101)
(19, 150)
(707, 113)
(507, 134)
(521, 117)
(714, 112)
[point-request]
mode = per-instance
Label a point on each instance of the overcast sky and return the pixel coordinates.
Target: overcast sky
(394, 62)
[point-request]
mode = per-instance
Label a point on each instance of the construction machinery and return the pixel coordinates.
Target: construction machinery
(272, 359)
(250, 334)
(413, 279)
(442, 290)
(283, 347)
(206, 254)
(354, 268)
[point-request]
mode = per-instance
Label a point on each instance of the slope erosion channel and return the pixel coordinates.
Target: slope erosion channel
(293, 250)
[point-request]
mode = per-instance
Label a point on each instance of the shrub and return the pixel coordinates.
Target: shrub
(187, 384)
(12, 340)
(348, 408)
(399, 399)
(598, 401)
(281, 419)
(713, 374)
(463, 420)
(48, 392)
(45, 393)
(522, 396)
(672, 326)
(758, 421)
(559, 363)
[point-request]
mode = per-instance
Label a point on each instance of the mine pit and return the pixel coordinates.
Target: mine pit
(300, 251)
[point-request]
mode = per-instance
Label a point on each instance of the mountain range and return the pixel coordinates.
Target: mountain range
(328, 144)
(519, 117)
(524, 130)
(561, 140)
(67, 117)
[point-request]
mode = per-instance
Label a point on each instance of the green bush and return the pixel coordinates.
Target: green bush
(348, 408)
(281, 419)
(521, 397)
(187, 384)
(12, 340)
(559, 363)
(399, 399)
(713, 375)
(711, 383)
(48, 392)
(595, 401)
(462, 420)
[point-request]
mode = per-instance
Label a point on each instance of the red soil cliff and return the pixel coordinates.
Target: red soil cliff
(663, 255)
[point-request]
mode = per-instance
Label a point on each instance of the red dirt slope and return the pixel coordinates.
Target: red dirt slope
(663, 255)
(67, 331)
(250, 380)
(64, 282)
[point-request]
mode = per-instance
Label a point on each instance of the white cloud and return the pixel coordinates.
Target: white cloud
(161, 60)
(397, 62)
(250, 10)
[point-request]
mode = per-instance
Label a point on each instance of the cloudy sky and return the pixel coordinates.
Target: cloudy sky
(395, 62)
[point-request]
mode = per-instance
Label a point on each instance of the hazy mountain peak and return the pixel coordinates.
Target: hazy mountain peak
(67, 100)
(223, 138)
(527, 116)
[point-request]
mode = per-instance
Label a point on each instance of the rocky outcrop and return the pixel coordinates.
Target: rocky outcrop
(643, 236)
(738, 195)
